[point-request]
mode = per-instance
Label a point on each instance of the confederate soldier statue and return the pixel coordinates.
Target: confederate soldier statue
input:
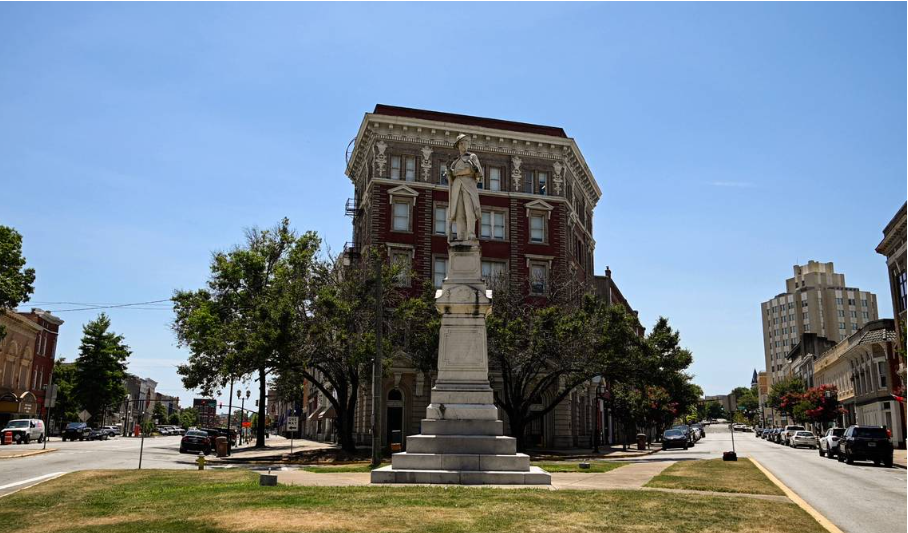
(463, 201)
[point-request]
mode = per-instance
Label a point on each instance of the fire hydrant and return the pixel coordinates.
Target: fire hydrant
(201, 461)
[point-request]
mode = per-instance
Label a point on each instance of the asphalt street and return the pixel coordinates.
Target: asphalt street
(116, 453)
(859, 498)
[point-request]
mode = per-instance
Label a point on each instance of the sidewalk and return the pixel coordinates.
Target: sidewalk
(605, 452)
(630, 477)
(276, 448)
(14, 454)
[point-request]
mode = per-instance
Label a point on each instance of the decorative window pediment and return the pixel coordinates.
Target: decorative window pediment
(402, 191)
(540, 205)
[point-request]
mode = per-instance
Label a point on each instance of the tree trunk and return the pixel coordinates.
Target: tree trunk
(345, 431)
(260, 426)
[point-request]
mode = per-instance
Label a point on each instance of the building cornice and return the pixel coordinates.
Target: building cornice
(485, 140)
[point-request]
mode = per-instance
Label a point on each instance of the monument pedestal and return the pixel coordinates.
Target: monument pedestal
(461, 439)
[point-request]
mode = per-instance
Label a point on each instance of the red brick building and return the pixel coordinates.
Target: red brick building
(45, 352)
(537, 199)
(537, 196)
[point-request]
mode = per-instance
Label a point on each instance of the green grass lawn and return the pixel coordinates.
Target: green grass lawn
(171, 501)
(574, 466)
(716, 475)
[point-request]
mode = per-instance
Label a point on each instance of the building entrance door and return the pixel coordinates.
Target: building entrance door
(394, 416)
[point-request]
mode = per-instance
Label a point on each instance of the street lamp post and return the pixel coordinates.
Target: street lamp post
(600, 390)
(239, 396)
(248, 394)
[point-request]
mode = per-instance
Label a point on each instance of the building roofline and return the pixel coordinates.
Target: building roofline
(551, 135)
(469, 120)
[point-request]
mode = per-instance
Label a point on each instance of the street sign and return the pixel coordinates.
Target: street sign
(293, 423)
(84, 415)
(52, 396)
(247, 424)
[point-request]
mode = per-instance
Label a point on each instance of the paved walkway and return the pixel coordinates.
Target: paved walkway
(629, 477)
(275, 449)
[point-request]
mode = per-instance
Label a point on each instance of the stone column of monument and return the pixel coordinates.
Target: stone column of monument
(462, 439)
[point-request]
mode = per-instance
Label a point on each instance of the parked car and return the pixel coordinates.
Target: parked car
(861, 443)
(700, 429)
(674, 438)
(75, 431)
(112, 431)
(688, 434)
(98, 434)
(830, 442)
(24, 430)
(196, 441)
(788, 432)
(776, 435)
(802, 438)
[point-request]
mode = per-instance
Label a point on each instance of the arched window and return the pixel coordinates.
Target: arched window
(395, 395)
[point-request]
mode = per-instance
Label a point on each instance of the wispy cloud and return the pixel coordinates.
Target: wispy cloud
(738, 184)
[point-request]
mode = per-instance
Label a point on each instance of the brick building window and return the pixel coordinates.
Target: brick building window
(441, 218)
(401, 216)
(439, 271)
(542, 183)
(528, 181)
(537, 228)
(538, 278)
(442, 173)
(401, 259)
(492, 225)
(494, 178)
(395, 167)
(493, 271)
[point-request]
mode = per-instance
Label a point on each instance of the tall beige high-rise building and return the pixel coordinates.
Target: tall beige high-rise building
(816, 300)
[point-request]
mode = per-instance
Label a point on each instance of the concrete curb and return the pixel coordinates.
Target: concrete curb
(27, 454)
(822, 520)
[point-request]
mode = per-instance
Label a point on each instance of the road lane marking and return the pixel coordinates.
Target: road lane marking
(34, 480)
(823, 521)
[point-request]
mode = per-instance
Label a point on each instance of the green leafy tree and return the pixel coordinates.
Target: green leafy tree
(544, 350)
(16, 281)
(335, 341)
(785, 394)
(715, 411)
(159, 413)
(174, 419)
(67, 407)
(100, 368)
(748, 402)
(242, 323)
(189, 417)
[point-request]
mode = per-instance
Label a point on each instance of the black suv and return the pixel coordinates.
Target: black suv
(863, 443)
(76, 431)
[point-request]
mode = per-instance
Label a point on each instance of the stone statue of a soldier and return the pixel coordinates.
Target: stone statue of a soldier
(463, 199)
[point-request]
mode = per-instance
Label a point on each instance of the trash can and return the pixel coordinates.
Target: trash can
(220, 445)
(396, 440)
(641, 441)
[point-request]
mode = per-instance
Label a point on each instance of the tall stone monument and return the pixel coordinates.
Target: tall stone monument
(462, 441)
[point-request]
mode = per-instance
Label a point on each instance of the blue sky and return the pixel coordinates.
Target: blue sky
(730, 141)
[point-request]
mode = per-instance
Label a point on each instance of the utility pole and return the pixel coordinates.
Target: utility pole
(377, 368)
(229, 413)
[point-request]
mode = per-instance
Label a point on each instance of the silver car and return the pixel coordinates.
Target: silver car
(802, 438)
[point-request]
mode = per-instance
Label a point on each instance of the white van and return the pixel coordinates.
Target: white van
(24, 430)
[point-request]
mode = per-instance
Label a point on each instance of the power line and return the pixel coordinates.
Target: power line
(95, 307)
